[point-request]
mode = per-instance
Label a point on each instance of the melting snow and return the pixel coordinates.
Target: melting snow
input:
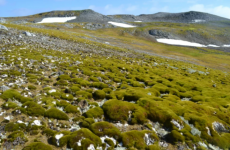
(37, 123)
(198, 20)
(179, 42)
(121, 125)
(57, 137)
(57, 19)
(19, 121)
(106, 137)
(121, 24)
(226, 45)
(79, 142)
(91, 147)
(7, 118)
(210, 45)
(137, 21)
(52, 91)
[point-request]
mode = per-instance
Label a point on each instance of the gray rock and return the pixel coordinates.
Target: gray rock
(212, 147)
(28, 33)
(2, 20)
(189, 70)
(219, 127)
(177, 124)
(4, 88)
(3, 27)
(194, 130)
(99, 78)
(161, 34)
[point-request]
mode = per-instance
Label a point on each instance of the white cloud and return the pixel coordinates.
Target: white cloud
(222, 11)
(2, 2)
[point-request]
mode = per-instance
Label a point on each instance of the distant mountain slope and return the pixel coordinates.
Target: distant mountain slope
(89, 15)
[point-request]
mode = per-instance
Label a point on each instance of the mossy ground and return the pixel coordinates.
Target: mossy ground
(135, 91)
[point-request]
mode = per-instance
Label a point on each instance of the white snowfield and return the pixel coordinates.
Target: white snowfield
(121, 25)
(226, 45)
(186, 43)
(57, 19)
(137, 21)
(199, 20)
(179, 42)
(211, 45)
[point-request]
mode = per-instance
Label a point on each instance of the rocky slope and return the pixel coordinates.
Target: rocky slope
(63, 90)
(89, 15)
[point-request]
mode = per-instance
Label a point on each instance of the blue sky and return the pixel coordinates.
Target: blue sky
(10, 8)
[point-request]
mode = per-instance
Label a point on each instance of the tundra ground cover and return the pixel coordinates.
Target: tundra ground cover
(85, 99)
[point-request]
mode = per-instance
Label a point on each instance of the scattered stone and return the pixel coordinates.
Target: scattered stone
(2, 20)
(4, 88)
(28, 33)
(148, 140)
(177, 124)
(219, 127)
(194, 130)
(2, 27)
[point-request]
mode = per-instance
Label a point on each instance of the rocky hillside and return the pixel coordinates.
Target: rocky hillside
(89, 15)
(64, 86)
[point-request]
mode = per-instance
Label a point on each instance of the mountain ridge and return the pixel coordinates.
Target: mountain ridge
(88, 15)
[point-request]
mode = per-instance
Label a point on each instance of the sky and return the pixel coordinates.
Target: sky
(13, 8)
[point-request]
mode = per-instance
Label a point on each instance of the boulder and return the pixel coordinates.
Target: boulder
(28, 33)
(2, 20)
(161, 34)
(219, 127)
(3, 27)
(4, 88)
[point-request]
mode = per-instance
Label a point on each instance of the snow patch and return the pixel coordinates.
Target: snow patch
(57, 19)
(226, 45)
(91, 147)
(79, 142)
(37, 123)
(198, 20)
(57, 137)
(106, 137)
(211, 45)
(52, 91)
(7, 118)
(137, 21)
(121, 25)
(19, 121)
(179, 42)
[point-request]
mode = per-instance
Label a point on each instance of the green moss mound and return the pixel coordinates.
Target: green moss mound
(99, 94)
(56, 114)
(33, 109)
(87, 122)
(175, 137)
(105, 128)
(37, 146)
(119, 111)
(12, 137)
(71, 109)
(11, 127)
(90, 138)
(136, 138)
(95, 112)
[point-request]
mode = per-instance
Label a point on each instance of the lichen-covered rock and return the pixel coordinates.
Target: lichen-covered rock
(2, 27)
